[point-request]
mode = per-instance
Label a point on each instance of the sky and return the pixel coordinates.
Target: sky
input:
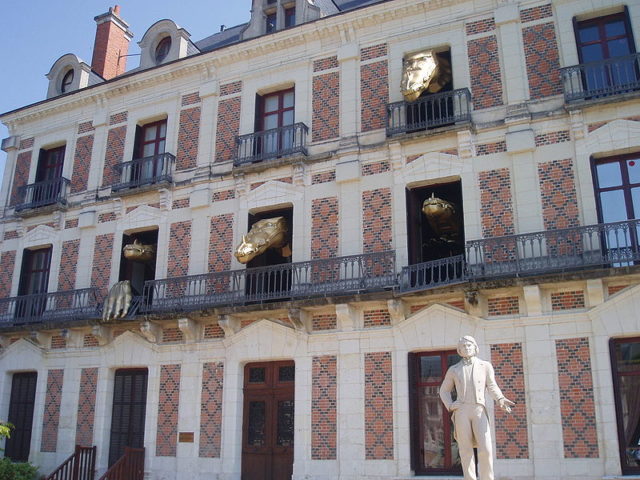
(35, 33)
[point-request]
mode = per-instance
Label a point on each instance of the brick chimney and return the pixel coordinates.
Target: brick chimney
(111, 45)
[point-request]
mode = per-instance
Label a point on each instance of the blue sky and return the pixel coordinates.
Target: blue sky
(35, 33)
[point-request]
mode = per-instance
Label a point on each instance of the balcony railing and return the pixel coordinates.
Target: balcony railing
(145, 171)
(270, 144)
(604, 78)
(436, 273)
(432, 111)
(314, 278)
(41, 194)
(50, 307)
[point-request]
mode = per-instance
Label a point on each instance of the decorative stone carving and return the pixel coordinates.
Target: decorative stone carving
(151, 331)
(346, 317)
(229, 324)
(190, 329)
(396, 310)
(102, 334)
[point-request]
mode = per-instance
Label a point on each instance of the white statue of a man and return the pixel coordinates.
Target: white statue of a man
(471, 377)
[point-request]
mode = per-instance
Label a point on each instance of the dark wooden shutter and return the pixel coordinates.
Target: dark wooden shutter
(23, 394)
(414, 227)
(413, 413)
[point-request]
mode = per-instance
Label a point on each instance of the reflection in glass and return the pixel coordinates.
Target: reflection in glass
(285, 423)
(257, 418)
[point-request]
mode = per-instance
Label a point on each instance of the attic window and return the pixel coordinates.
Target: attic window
(67, 80)
(162, 50)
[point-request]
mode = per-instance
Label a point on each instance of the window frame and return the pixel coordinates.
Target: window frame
(50, 164)
(280, 111)
(157, 139)
(626, 185)
(601, 22)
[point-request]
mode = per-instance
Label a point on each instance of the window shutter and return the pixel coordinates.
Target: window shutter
(21, 405)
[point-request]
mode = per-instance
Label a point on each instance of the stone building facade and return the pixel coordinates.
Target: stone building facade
(324, 364)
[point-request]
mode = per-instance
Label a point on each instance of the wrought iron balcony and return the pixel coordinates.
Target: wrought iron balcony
(593, 80)
(436, 273)
(49, 307)
(437, 110)
(314, 278)
(41, 194)
(145, 171)
(270, 144)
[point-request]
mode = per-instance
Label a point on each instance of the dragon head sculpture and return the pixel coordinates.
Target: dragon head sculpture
(424, 71)
(264, 234)
(442, 218)
(138, 252)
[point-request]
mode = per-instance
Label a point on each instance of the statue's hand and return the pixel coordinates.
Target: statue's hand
(506, 404)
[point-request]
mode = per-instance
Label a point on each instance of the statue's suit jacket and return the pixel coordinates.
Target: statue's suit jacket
(482, 376)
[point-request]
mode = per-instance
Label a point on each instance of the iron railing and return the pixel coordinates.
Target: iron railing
(55, 306)
(603, 78)
(130, 466)
(41, 194)
(273, 143)
(436, 273)
(81, 465)
(145, 171)
(313, 278)
(432, 111)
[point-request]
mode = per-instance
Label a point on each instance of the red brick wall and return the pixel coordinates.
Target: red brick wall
(212, 331)
(484, 69)
(542, 59)
(221, 243)
(323, 177)
(190, 99)
(58, 342)
(114, 155)
(480, 26)
(51, 417)
(577, 405)
(489, 148)
(21, 176)
(374, 94)
(551, 138)
(324, 408)
(179, 246)
(81, 164)
(211, 410)
(110, 50)
(375, 168)
(228, 122)
(558, 192)
(613, 289)
(7, 264)
(86, 406)
(536, 13)
(377, 318)
(378, 406)
(168, 404)
(496, 207)
(327, 321)
(567, 300)
(376, 220)
(223, 195)
(90, 340)
(172, 335)
(68, 264)
(325, 232)
(512, 439)
(188, 136)
(325, 123)
(102, 263)
(503, 306)
(374, 51)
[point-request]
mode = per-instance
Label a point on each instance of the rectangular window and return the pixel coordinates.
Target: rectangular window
(433, 449)
(289, 17)
(152, 139)
(50, 163)
(271, 22)
(625, 362)
(150, 164)
(275, 111)
(34, 281)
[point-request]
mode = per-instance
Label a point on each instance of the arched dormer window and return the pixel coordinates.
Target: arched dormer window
(164, 42)
(69, 73)
(162, 50)
(67, 81)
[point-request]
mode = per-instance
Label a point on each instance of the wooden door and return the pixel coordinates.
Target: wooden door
(128, 413)
(267, 433)
(23, 395)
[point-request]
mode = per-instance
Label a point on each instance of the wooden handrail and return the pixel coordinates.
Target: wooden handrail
(128, 467)
(79, 466)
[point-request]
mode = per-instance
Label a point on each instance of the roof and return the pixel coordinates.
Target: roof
(220, 39)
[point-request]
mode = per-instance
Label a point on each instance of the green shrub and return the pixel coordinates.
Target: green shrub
(16, 471)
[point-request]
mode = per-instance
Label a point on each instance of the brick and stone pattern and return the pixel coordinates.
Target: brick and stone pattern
(228, 122)
(567, 300)
(558, 194)
(7, 263)
(86, 406)
(375, 168)
(89, 340)
(168, 404)
(536, 13)
(71, 223)
(231, 88)
(374, 51)
(81, 163)
(221, 242)
(21, 176)
(223, 195)
(497, 306)
(480, 26)
(101, 272)
(613, 289)
(325, 64)
(213, 331)
(114, 155)
(188, 137)
(551, 138)
(324, 228)
(117, 118)
(374, 95)
(179, 247)
(542, 59)
(58, 342)
(490, 148)
(11, 235)
(68, 264)
(376, 318)
(323, 177)
(484, 69)
(376, 220)
(511, 428)
(325, 123)
(51, 417)
(324, 408)
(172, 335)
(180, 203)
(324, 321)
(378, 406)
(577, 405)
(190, 99)
(211, 410)
(496, 208)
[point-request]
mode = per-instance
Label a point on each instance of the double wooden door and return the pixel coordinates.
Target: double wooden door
(267, 440)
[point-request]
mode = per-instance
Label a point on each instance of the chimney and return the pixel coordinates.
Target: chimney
(111, 45)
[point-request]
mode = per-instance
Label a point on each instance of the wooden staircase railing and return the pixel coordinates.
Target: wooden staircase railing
(128, 467)
(81, 465)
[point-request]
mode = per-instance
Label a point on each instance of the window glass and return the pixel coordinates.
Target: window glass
(162, 50)
(150, 133)
(288, 100)
(430, 369)
(633, 168)
(588, 33)
(67, 80)
(271, 22)
(609, 174)
(592, 53)
(615, 28)
(613, 206)
(290, 17)
(271, 103)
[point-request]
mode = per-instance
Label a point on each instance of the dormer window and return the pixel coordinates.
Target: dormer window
(271, 22)
(289, 17)
(67, 81)
(162, 50)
